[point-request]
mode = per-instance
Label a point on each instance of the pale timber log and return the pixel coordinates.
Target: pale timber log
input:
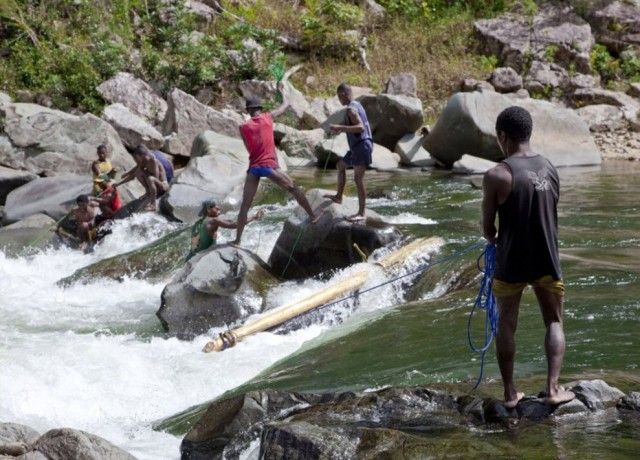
(229, 338)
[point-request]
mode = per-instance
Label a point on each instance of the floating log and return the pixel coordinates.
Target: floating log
(229, 338)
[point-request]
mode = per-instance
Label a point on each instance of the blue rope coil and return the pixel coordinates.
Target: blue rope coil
(487, 302)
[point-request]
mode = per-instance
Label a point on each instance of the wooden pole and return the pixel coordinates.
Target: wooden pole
(229, 338)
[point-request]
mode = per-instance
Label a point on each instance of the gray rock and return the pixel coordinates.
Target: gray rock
(66, 443)
(467, 126)
(402, 84)
(299, 143)
(391, 117)
(505, 80)
(303, 250)
(624, 15)
(11, 179)
(16, 439)
(136, 95)
(132, 129)
(596, 394)
(630, 401)
(215, 288)
(187, 118)
(5, 98)
(411, 152)
(53, 196)
(28, 234)
(57, 141)
(468, 164)
(602, 117)
(217, 169)
(514, 38)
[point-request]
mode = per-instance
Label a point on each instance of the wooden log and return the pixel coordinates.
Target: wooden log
(229, 338)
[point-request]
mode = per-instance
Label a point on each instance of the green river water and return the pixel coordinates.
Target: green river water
(424, 342)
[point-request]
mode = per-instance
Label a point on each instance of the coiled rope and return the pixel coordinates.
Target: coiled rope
(487, 302)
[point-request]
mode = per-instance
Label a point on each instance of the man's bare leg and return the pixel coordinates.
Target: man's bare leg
(508, 308)
(284, 181)
(248, 194)
(342, 181)
(359, 171)
(554, 344)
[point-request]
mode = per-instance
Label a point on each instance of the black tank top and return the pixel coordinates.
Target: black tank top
(527, 247)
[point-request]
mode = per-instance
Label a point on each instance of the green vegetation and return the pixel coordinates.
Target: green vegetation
(63, 49)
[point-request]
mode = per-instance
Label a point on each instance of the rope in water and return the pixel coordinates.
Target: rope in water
(487, 302)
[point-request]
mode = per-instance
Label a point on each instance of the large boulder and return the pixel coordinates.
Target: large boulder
(28, 234)
(516, 39)
(66, 443)
(615, 24)
(216, 288)
(53, 196)
(304, 250)
(467, 126)
(132, 129)
(11, 179)
(47, 140)
(217, 169)
(136, 95)
(187, 118)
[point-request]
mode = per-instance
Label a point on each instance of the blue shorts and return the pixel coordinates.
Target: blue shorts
(360, 154)
(261, 171)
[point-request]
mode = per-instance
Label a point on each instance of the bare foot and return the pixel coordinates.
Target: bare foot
(317, 217)
(356, 218)
(149, 207)
(334, 198)
(513, 402)
(235, 244)
(561, 396)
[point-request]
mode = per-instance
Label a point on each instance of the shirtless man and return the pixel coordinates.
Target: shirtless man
(151, 174)
(522, 192)
(204, 232)
(84, 218)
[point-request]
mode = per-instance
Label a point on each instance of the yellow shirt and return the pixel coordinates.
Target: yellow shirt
(105, 168)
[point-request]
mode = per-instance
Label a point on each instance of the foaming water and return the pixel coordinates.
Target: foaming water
(91, 356)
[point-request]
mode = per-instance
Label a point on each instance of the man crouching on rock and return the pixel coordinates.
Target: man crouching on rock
(151, 174)
(257, 134)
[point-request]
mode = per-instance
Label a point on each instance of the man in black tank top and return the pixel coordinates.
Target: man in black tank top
(522, 191)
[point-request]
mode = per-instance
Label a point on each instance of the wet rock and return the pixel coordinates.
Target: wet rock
(467, 125)
(11, 179)
(215, 288)
(303, 250)
(66, 443)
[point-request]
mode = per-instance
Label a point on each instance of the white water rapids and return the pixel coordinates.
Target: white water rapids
(82, 357)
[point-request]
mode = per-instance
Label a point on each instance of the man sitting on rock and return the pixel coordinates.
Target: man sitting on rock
(108, 200)
(205, 231)
(151, 174)
(80, 222)
(257, 134)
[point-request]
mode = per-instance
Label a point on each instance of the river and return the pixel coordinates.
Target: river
(94, 357)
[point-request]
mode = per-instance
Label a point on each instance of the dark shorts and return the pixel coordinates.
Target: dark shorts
(360, 154)
(261, 171)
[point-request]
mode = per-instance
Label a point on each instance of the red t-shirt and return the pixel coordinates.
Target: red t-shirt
(115, 204)
(258, 136)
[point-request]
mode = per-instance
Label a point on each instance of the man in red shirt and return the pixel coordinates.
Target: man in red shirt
(257, 134)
